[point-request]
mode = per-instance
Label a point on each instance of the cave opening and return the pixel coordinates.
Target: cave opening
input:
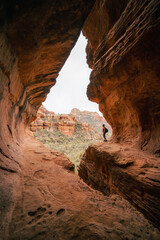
(71, 85)
(67, 121)
(40, 197)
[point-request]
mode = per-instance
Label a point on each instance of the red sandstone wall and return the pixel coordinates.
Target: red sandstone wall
(123, 51)
(36, 38)
(124, 55)
(33, 50)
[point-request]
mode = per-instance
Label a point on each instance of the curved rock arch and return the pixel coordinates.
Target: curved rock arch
(36, 38)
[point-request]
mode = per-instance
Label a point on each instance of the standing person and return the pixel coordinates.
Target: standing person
(105, 130)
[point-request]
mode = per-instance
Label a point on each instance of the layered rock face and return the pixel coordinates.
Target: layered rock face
(65, 123)
(92, 118)
(33, 50)
(123, 40)
(48, 120)
(55, 204)
(133, 174)
(36, 37)
(124, 55)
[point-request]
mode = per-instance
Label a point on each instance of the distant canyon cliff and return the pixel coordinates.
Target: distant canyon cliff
(93, 118)
(66, 123)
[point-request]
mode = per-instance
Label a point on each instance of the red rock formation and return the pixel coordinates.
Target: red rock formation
(41, 201)
(111, 168)
(65, 123)
(124, 55)
(53, 203)
(36, 38)
(93, 118)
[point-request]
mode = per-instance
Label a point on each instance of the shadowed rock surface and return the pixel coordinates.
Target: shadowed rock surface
(36, 38)
(55, 204)
(124, 56)
(135, 175)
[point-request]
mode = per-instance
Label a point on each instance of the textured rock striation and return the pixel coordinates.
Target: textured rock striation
(123, 52)
(65, 123)
(93, 118)
(36, 37)
(111, 169)
(32, 52)
(124, 55)
(55, 204)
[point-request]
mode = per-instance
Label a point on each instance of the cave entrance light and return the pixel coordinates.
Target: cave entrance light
(70, 89)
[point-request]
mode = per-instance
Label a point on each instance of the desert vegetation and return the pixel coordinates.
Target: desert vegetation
(72, 146)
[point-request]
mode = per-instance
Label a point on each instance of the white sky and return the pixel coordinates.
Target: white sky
(70, 89)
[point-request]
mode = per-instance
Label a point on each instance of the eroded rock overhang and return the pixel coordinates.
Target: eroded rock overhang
(36, 39)
(123, 51)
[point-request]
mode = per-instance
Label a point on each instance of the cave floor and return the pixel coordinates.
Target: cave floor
(53, 203)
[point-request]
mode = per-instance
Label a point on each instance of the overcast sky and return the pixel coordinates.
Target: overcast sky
(70, 89)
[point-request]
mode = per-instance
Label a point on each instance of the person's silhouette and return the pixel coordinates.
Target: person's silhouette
(105, 130)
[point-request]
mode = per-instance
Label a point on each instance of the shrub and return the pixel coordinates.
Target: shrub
(73, 146)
